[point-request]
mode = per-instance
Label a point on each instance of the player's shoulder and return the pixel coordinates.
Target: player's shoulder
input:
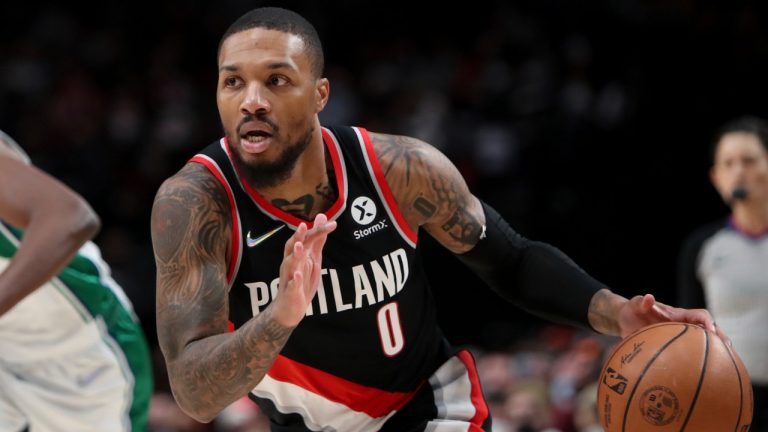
(401, 152)
(193, 181)
(383, 142)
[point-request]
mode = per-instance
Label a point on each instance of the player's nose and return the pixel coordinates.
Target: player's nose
(255, 100)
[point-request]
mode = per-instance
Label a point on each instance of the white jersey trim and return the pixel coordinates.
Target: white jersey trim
(319, 413)
(453, 392)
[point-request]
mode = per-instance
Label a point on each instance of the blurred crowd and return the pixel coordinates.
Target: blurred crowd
(574, 120)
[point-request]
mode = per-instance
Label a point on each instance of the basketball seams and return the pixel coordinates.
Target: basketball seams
(741, 389)
(659, 363)
(701, 381)
(626, 340)
(645, 369)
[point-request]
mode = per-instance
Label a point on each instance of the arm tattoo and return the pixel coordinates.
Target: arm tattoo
(462, 227)
(602, 312)
(396, 150)
(423, 206)
(191, 229)
(191, 232)
(429, 191)
(224, 371)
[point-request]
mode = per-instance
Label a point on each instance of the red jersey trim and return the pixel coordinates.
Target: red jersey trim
(234, 262)
(383, 188)
(275, 213)
(369, 400)
(476, 396)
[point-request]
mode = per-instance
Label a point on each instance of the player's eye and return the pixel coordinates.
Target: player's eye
(278, 80)
(231, 81)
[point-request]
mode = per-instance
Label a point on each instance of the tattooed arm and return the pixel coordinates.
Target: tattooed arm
(208, 367)
(431, 193)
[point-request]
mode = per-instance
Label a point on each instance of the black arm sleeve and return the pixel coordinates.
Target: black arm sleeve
(690, 291)
(532, 275)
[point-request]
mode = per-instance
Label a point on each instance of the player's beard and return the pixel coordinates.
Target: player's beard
(267, 174)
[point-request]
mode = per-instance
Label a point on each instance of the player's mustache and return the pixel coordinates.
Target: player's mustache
(261, 118)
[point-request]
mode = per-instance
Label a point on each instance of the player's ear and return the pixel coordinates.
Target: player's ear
(322, 90)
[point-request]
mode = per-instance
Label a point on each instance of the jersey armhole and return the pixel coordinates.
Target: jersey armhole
(234, 262)
(385, 193)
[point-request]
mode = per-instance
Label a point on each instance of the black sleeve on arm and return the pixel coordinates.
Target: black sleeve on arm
(532, 275)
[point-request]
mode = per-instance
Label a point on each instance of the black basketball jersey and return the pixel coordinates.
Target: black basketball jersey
(369, 339)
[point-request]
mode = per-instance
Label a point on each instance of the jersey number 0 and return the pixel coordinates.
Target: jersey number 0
(390, 329)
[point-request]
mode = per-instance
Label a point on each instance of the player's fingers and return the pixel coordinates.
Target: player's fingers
(299, 260)
(723, 336)
(299, 250)
(647, 302)
(320, 219)
(702, 317)
(297, 281)
(309, 284)
(299, 235)
(317, 225)
(316, 273)
(317, 242)
(293, 258)
(321, 227)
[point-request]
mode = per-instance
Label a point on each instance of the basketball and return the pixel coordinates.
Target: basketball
(674, 377)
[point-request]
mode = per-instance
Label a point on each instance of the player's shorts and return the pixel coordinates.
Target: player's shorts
(87, 390)
(450, 400)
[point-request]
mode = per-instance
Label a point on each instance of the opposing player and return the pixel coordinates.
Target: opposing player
(72, 355)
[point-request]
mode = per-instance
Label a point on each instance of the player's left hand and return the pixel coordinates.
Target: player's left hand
(644, 310)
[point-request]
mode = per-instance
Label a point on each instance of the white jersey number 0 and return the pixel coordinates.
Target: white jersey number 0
(390, 329)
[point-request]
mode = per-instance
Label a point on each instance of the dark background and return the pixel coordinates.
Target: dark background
(587, 124)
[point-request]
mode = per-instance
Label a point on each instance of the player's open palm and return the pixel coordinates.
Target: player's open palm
(300, 271)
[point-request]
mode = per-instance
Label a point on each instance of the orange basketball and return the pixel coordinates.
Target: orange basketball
(674, 377)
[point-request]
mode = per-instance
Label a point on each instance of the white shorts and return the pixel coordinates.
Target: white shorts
(90, 390)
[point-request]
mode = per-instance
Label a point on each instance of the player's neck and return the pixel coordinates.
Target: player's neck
(309, 189)
(751, 218)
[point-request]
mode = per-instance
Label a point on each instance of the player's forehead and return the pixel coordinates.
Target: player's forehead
(261, 47)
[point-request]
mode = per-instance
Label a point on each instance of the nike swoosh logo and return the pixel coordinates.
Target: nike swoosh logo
(253, 242)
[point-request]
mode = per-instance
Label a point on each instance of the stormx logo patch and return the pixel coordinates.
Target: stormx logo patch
(380, 225)
(364, 212)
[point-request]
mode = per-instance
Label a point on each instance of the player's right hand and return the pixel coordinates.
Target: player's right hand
(300, 271)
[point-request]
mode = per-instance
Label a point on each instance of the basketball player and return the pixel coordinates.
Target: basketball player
(287, 265)
(72, 355)
(724, 265)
